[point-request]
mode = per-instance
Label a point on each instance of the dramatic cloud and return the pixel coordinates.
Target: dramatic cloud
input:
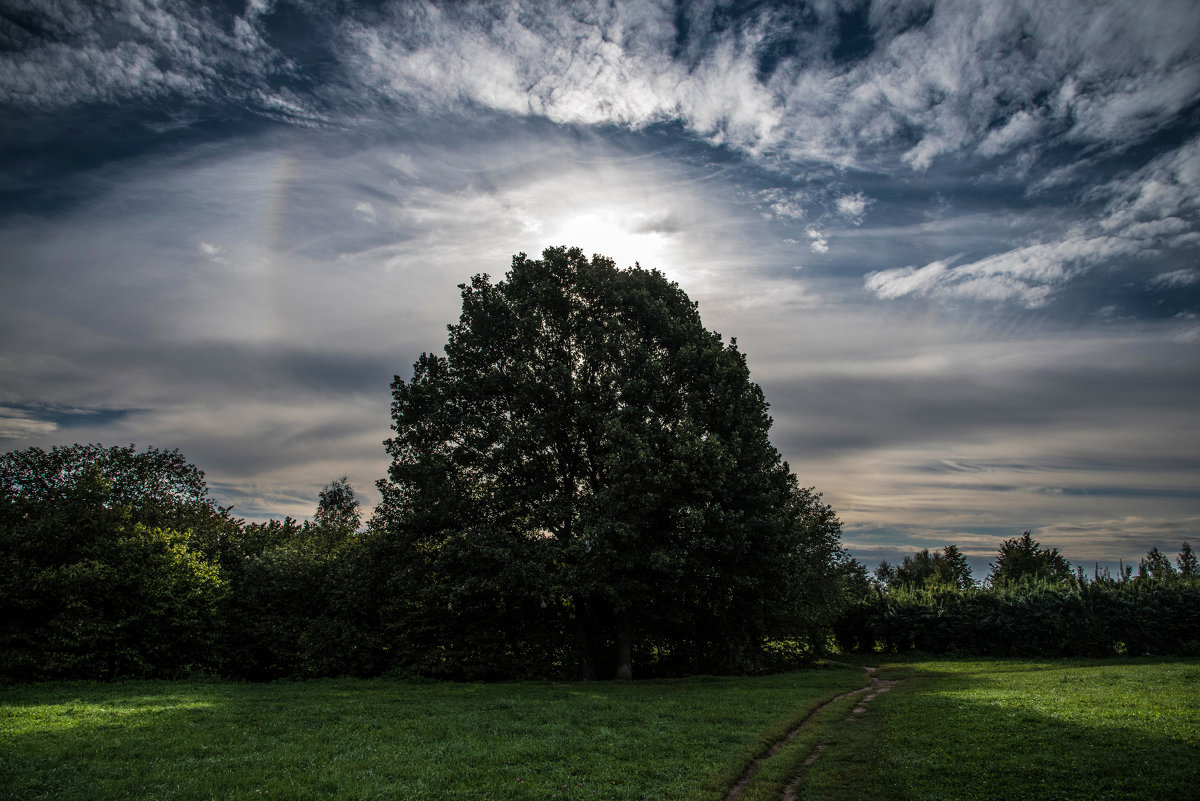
(959, 241)
(72, 53)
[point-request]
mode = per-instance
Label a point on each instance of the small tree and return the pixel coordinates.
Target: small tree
(954, 568)
(1187, 564)
(915, 570)
(1022, 558)
(923, 568)
(337, 509)
(1156, 566)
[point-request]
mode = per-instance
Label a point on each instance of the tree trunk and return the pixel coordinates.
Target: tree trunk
(624, 647)
(587, 662)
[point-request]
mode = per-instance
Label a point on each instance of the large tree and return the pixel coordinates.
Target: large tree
(585, 447)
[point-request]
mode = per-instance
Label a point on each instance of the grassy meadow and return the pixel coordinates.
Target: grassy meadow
(684, 739)
(949, 729)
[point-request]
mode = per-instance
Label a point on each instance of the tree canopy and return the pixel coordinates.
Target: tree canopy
(587, 452)
(1023, 558)
(105, 570)
(1187, 563)
(924, 568)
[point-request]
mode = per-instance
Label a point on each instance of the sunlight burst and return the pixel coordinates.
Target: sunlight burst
(624, 237)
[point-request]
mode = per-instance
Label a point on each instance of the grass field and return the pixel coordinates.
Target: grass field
(1036, 730)
(683, 739)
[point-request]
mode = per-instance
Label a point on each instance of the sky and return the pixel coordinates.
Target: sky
(959, 242)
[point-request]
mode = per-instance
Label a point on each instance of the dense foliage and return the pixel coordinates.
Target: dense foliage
(115, 563)
(1022, 558)
(587, 469)
(105, 563)
(1041, 609)
(924, 568)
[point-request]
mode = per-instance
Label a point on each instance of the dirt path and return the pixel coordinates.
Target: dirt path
(869, 693)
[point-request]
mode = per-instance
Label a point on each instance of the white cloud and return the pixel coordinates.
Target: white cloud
(212, 252)
(365, 211)
(140, 50)
(1175, 279)
(782, 204)
(984, 76)
(853, 207)
(1022, 127)
(1160, 197)
(890, 284)
(611, 66)
(819, 243)
(1028, 275)
(946, 82)
(1130, 107)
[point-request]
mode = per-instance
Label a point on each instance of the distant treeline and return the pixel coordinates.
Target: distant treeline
(1031, 604)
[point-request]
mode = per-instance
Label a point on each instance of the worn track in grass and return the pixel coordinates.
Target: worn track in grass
(874, 689)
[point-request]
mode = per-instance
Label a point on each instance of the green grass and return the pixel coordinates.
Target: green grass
(775, 774)
(952, 729)
(1006, 729)
(683, 739)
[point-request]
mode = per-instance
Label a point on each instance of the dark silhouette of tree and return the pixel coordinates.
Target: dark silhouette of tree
(1022, 558)
(337, 507)
(1156, 566)
(923, 568)
(158, 488)
(954, 568)
(915, 570)
(587, 447)
(1188, 567)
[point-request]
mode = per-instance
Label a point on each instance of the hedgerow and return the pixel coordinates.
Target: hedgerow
(1030, 618)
